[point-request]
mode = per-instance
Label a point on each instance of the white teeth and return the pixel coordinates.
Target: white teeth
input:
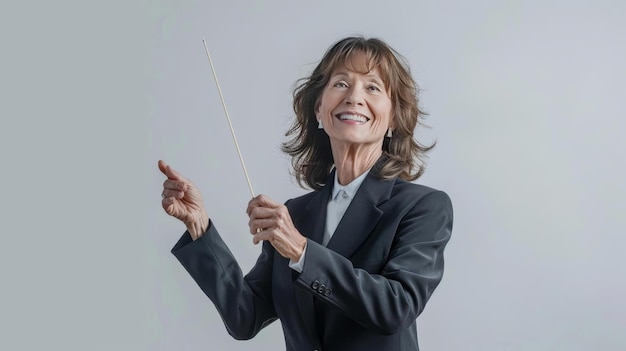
(351, 117)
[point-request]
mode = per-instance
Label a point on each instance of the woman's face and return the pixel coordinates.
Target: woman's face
(355, 108)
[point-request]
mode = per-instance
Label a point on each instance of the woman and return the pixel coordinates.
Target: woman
(351, 264)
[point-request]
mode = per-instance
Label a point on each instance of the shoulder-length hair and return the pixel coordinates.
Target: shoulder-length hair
(309, 146)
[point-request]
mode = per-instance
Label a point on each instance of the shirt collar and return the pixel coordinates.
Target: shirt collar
(350, 188)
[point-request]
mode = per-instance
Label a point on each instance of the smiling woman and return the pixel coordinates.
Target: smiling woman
(383, 79)
(351, 264)
(355, 111)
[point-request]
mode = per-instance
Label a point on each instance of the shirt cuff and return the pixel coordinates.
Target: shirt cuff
(297, 266)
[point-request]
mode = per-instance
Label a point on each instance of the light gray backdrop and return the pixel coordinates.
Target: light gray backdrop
(526, 102)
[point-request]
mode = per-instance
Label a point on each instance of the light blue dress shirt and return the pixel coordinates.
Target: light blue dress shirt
(337, 205)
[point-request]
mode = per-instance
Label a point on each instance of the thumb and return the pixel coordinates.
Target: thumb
(169, 172)
(267, 202)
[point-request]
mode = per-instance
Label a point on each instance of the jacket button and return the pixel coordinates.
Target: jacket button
(328, 291)
(315, 285)
(321, 289)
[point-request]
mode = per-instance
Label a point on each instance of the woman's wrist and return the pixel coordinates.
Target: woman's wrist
(199, 226)
(299, 250)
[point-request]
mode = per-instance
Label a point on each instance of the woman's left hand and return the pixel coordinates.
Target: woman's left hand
(271, 221)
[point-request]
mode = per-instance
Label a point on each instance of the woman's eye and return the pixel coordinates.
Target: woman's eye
(341, 84)
(374, 88)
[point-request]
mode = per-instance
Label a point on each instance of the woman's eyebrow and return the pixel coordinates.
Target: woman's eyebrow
(370, 76)
(375, 78)
(339, 73)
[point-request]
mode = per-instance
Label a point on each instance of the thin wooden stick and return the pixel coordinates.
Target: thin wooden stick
(232, 131)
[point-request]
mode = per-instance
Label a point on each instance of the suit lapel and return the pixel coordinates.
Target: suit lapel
(312, 222)
(361, 216)
(355, 226)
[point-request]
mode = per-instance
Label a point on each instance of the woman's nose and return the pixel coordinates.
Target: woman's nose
(354, 97)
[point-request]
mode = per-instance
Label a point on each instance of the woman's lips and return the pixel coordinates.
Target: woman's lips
(352, 117)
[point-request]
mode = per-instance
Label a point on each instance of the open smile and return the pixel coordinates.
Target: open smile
(352, 117)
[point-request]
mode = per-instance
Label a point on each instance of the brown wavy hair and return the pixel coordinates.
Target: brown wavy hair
(309, 146)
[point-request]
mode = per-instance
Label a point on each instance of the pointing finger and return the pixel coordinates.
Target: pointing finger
(169, 171)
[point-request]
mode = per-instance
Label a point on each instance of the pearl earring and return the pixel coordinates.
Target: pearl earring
(389, 133)
(319, 125)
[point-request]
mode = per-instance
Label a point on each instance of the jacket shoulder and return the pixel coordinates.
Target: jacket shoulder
(404, 187)
(411, 194)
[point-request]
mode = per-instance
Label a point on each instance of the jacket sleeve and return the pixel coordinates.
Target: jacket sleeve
(244, 303)
(391, 300)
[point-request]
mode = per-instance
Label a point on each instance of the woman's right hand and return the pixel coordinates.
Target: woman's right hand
(181, 199)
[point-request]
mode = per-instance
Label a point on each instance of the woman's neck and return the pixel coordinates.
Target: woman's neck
(352, 161)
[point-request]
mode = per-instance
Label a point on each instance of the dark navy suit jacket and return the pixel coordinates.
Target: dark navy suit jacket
(363, 291)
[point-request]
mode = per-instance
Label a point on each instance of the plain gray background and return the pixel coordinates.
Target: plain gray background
(526, 102)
